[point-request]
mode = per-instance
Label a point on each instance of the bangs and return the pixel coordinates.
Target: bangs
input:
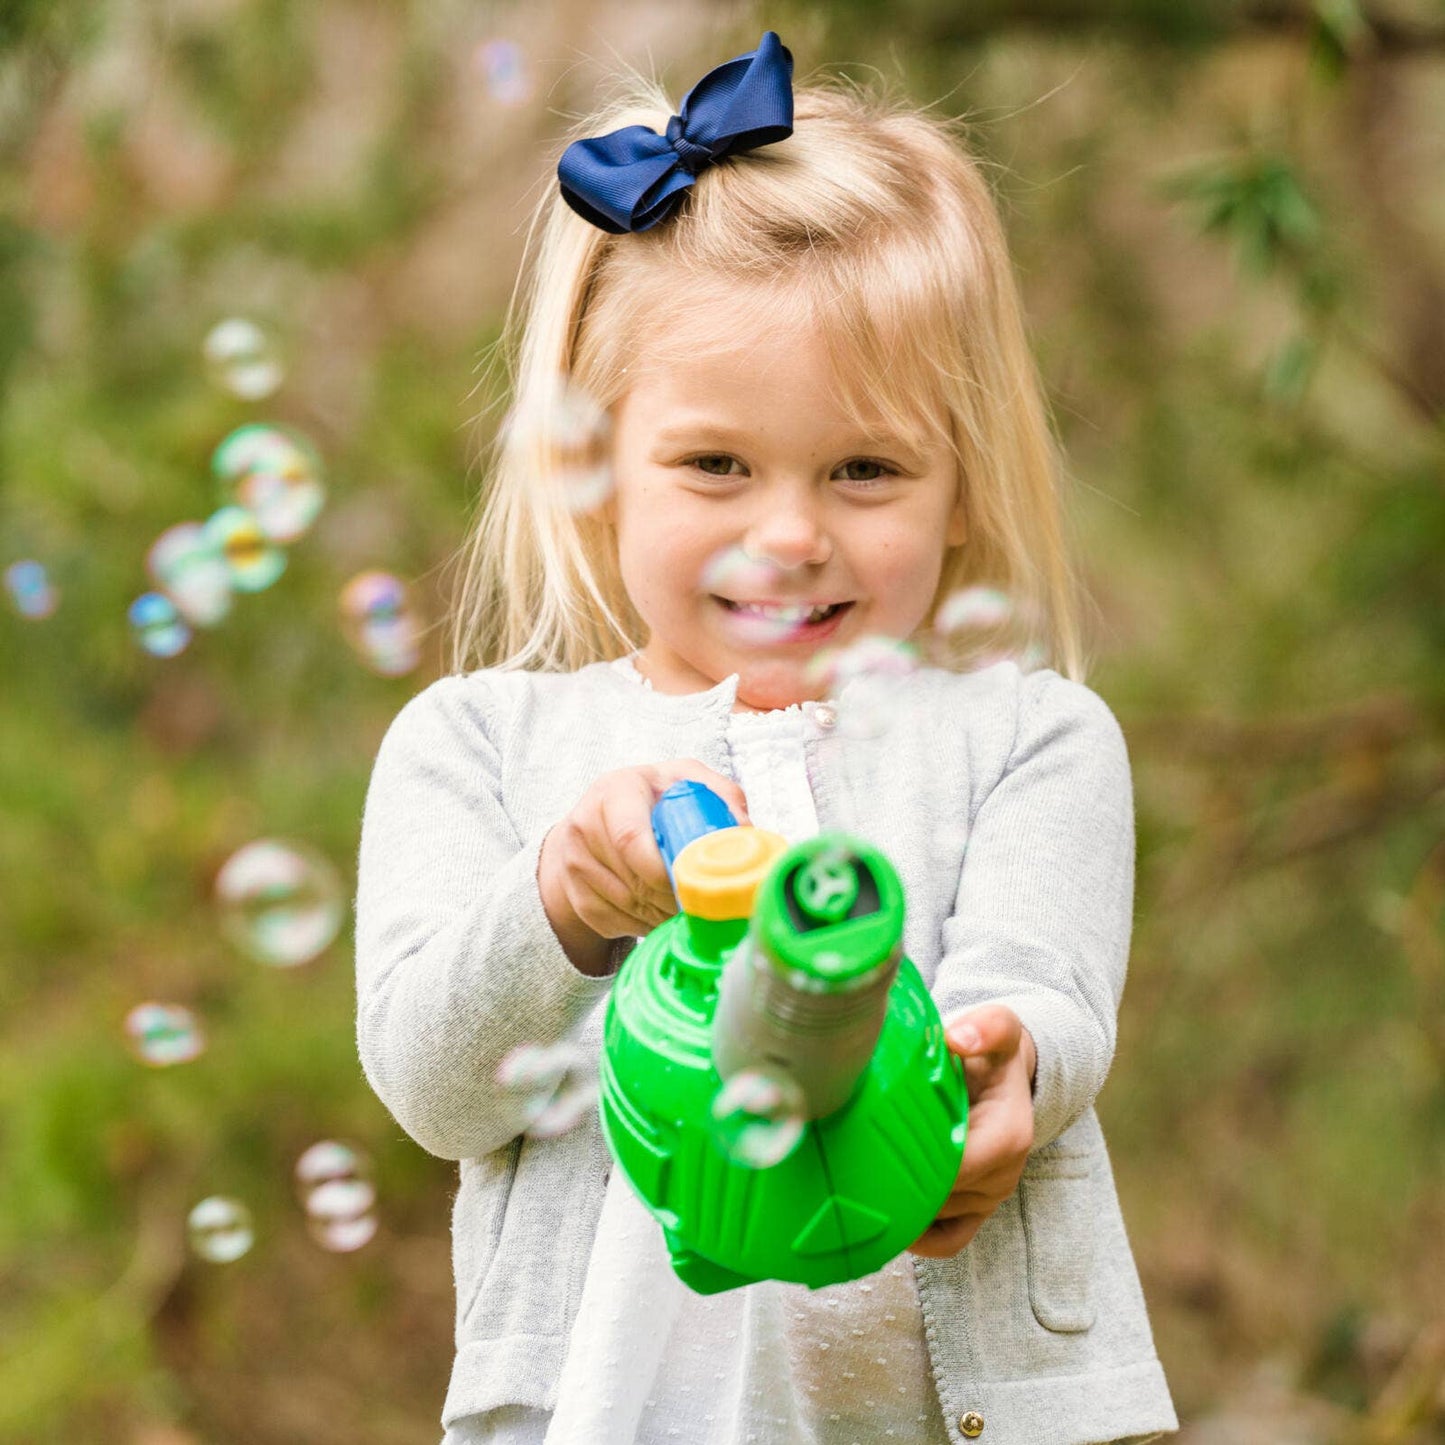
(881, 330)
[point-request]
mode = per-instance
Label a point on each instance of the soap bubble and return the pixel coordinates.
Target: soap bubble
(162, 1034)
(333, 1181)
(864, 677)
(980, 626)
(327, 1160)
(339, 1214)
(253, 561)
(503, 66)
(973, 607)
(31, 592)
(220, 1229)
(565, 438)
(380, 623)
(280, 902)
(758, 1117)
(557, 1084)
(736, 574)
(157, 625)
(242, 359)
(275, 474)
(872, 657)
(187, 565)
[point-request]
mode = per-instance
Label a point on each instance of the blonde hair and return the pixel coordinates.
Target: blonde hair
(872, 220)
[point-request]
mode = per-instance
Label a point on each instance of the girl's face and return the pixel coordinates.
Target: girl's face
(744, 446)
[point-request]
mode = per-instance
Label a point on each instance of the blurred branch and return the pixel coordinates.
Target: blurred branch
(1234, 840)
(1180, 25)
(1411, 1396)
(1330, 815)
(1390, 35)
(1415, 395)
(1386, 721)
(1411, 283)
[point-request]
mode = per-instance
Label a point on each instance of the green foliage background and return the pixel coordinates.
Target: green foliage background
(1229, 225)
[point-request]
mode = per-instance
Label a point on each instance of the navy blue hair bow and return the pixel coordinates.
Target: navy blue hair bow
(630, 179)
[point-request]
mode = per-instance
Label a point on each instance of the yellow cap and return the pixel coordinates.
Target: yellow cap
(717, 874)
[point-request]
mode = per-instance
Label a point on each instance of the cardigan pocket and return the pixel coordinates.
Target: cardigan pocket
(1056, 1199)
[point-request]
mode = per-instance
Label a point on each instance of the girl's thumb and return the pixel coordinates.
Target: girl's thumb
(988, 1029)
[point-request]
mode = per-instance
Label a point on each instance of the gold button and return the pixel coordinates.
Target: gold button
(971, 1424)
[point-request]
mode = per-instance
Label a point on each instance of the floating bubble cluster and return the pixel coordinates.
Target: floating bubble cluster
(31, 592)
(380, 623)
(276, 475)
(565, 438)
(333, 1181)
(557, 1084)
(758, 1117)
(162, 1034)
(502, 65)
(281, 903)
(270, 479)
(243, 359)
(220, 1230)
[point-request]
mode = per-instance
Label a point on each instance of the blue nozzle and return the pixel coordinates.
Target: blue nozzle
(686, 811)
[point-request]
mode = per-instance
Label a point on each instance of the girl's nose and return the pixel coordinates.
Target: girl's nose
(790, 534)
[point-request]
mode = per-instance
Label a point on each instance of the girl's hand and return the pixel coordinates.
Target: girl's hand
(998, 1066)
(600, 873)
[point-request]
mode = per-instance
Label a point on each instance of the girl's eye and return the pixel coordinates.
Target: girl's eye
(714, 464)
(862, 469)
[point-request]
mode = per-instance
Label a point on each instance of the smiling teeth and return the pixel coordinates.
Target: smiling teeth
(776, 613)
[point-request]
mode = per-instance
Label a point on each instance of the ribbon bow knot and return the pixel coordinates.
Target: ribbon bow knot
(691, 157)
(630, 179)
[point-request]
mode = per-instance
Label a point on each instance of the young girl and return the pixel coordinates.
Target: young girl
(798, 316)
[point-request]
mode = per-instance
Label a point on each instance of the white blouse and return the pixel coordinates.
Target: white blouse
(774, 1363)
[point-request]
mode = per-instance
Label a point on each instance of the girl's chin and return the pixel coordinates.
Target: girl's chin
(765, 687)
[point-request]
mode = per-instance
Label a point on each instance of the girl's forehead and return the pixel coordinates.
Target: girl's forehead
(724, 346)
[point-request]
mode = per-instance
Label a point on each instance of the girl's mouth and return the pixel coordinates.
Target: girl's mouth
(784, 622)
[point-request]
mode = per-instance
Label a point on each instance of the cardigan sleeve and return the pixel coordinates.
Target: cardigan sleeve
(1045, 903)
(456, 961)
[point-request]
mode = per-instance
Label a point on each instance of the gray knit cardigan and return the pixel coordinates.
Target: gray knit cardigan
(1003, 798)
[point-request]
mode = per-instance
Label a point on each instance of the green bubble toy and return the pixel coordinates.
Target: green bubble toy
(783, 978)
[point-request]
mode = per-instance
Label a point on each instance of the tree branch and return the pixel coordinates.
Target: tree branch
(1185, 26)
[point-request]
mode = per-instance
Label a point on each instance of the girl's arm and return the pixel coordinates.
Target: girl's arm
(1045, 903)
(456, 962)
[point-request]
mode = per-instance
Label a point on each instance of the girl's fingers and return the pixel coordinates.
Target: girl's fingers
(621, 880)
(1000, 1133)
(970, 1201)
(943, 1241)
(607, 908)
(690, 769)
(624, 844)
